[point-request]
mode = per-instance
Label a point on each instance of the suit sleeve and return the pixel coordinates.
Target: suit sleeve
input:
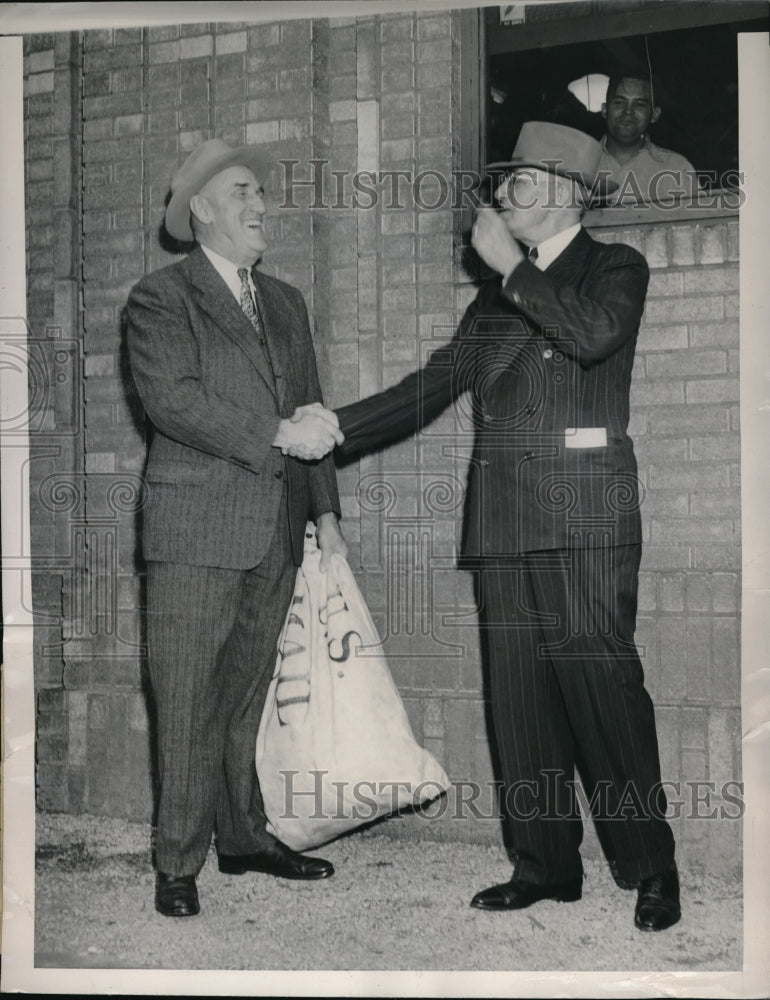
(322, 476)
(594, 320)
(166, 369)
(420, 397)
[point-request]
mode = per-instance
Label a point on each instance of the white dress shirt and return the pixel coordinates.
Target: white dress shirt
(229, 272)
(549, 249)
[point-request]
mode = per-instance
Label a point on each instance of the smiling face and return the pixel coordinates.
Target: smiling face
(630, 112)
(229, 211)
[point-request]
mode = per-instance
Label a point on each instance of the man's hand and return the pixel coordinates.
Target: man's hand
(330, 540)
(310, 433)
(493, 243)
(318, 410)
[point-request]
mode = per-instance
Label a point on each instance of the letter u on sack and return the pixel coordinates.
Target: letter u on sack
(335, 748)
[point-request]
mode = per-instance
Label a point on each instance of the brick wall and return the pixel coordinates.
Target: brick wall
(686, 431)
(378, 93)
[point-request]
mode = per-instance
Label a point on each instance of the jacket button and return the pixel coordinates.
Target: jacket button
(484, 461)
(487, 418)
(558, 356)
(529, 454)
(547, 353)
(278, 474)
(529, 409)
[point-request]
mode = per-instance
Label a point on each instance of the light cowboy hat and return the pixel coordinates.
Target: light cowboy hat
(201, 165)
(560, 150)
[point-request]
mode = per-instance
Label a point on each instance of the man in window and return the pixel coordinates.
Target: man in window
(643, 171)
(553, 527)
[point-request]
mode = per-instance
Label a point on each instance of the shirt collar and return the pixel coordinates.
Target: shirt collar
(648, 147)
(653, 150)
(549, 249)
(227, 271)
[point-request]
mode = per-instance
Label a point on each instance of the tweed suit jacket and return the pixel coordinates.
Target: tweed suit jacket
(215, 399)
(548, 354)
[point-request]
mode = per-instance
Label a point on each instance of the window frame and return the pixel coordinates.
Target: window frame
(478, 38)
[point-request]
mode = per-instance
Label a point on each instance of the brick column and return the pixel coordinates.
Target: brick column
(109, 747)
(52, 120)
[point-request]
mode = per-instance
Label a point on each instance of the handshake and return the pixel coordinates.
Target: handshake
(310, 433)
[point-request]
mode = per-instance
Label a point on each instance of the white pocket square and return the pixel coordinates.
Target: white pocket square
(585, 437)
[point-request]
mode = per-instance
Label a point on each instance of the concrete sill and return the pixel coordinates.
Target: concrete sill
(716, 204)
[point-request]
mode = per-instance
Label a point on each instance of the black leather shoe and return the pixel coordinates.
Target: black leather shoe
(657, 904)
(277, 859)
(176, 895)
(515, 895)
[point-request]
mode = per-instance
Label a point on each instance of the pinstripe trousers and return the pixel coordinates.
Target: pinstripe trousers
(212, 638)
(567, 691)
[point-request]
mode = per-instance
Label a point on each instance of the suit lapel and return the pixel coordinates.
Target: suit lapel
(272, 310)
(569, 264)
(216, 299)
(565, 269)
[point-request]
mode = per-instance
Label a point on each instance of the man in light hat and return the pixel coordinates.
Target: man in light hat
(552, 526)
(222, 357)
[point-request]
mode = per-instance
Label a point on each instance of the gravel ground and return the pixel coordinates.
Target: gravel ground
(392, 905)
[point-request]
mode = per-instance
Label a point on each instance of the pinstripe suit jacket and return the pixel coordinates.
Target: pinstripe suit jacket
(214, 481)
(550, 351)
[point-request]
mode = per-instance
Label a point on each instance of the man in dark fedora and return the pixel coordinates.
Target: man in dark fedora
(222, 358)
(553, 528)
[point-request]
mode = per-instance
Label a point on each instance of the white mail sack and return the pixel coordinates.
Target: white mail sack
(335, 748)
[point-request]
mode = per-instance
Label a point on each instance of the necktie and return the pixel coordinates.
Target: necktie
(532, 254)
(247, 304)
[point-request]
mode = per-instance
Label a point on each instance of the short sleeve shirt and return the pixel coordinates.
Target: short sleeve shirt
(655, 174)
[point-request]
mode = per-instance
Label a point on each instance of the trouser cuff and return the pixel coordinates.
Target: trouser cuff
(629, 873)
(529, 871)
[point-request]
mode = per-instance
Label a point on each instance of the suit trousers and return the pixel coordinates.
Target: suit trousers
(212, 642)
(567, 691)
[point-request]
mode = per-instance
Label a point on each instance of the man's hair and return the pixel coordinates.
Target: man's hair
(631, 74)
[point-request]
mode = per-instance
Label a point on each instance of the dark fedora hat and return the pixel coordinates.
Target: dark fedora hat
(560, 150)
(205, 162)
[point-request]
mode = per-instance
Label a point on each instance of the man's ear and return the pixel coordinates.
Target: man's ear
(655, 115)
(200, 208)
(565, 189)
